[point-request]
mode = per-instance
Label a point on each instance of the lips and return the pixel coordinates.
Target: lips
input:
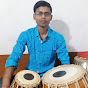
(43, 21)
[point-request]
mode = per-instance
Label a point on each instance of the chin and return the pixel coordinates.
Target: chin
(43, 26)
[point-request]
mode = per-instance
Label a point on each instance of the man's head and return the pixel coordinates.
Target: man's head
(42, 4)
(42, 13)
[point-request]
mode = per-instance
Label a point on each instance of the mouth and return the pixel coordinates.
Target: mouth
(43, 21)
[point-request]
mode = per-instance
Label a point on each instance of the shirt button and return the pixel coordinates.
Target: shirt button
(40, 52)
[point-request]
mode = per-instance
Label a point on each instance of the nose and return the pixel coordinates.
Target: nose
(43, 15)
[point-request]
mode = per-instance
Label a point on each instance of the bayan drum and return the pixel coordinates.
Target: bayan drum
(66, 76)
(26, 79)
(82, 59)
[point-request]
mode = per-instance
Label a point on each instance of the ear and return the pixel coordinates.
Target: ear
(51, 17)
(34, 16)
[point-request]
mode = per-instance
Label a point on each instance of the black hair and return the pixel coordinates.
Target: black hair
(42, 3)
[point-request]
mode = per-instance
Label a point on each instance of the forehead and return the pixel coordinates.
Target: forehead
(43, 9)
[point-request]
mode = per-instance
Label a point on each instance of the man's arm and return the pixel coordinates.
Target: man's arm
(62, 51)
(7, 77)
(13, 59)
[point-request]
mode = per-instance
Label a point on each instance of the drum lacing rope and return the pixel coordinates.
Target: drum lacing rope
(17, 86)
(43, 84)
(84, 81)
(55, 85)
(87, 76)
(48, 86)
(77, 84)
(67, 86)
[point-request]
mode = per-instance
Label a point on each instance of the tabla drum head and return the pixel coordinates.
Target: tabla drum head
(26, 79)
(63, 75)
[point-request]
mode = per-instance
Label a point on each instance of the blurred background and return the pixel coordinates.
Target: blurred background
(70, 18)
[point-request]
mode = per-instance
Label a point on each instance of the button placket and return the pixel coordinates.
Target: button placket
(40, 58)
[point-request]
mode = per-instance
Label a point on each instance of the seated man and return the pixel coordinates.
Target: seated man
(42, 43)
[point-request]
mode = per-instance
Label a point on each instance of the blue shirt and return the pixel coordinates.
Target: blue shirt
(41, 55)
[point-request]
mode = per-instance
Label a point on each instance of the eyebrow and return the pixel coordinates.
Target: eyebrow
(44, 12)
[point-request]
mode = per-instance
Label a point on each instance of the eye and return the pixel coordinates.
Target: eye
(38, 13)
(47, 13)
(41, 13)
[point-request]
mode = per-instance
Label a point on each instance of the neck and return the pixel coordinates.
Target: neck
(42, 31)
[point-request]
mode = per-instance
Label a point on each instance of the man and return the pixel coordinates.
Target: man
(42, 43)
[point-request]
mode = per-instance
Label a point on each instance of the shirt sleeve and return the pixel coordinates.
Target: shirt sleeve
(62, 52)
(17, 52)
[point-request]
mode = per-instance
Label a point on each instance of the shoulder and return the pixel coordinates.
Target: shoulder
(57, 35)
(28, 31)
(26, 34)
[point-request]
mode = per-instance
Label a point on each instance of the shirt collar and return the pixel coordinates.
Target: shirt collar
(49, 32)
(37, 33)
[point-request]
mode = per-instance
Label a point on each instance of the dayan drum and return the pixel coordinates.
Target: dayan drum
(26, 79)
(82, 59)
(66, 76)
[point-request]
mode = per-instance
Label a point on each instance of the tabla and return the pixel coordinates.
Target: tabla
(66, 76)
(26, 79)
(82, 59)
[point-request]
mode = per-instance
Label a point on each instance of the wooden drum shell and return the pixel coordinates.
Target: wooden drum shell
(20, 82)
(80, 82)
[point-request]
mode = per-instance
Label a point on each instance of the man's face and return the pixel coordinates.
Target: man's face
(42, 16)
